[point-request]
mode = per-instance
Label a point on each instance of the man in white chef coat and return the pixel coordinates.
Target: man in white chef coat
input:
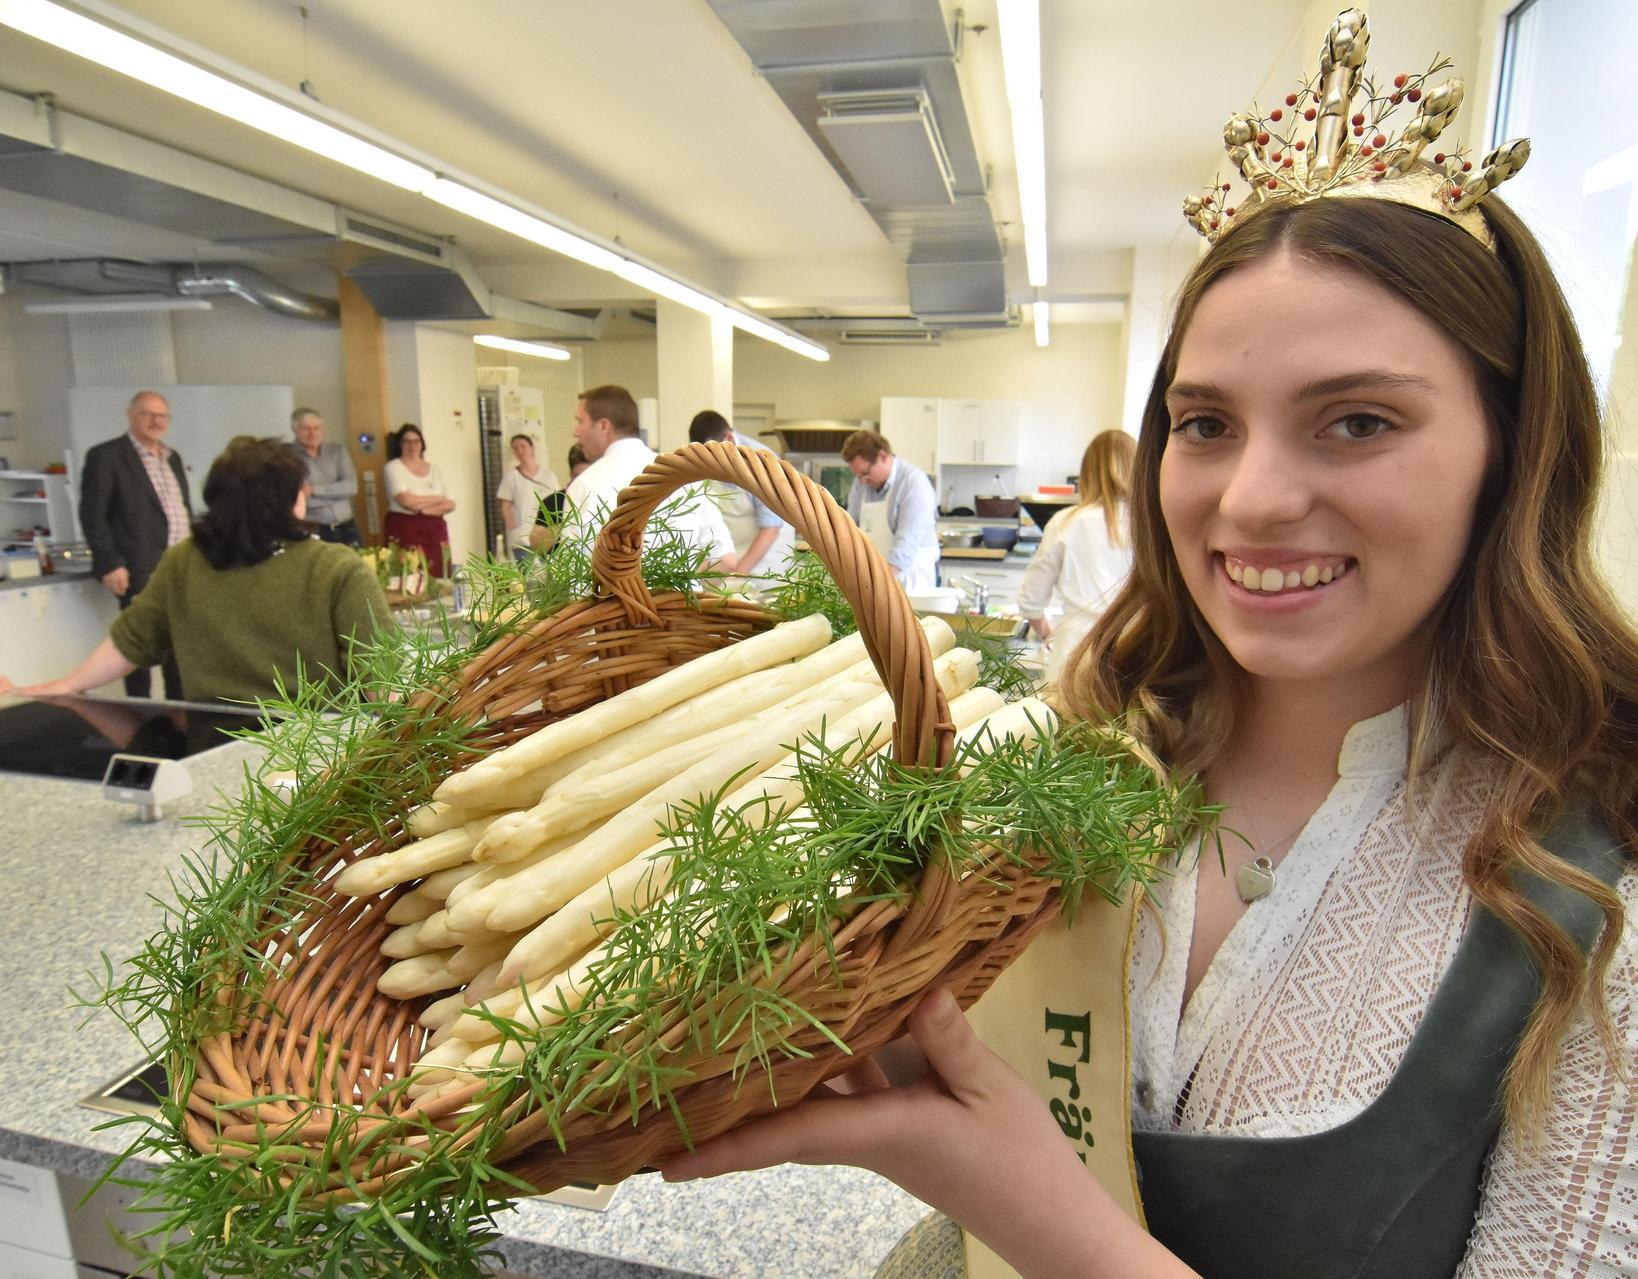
(605, 427)
(763, 541)
(893, 502)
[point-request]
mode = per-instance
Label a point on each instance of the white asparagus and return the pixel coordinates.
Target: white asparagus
(371, 875)
(467, 962)
(523, 900)
(1026, 719)
(589, 917)
(440, 1012)
(435, 817)
(436, 934)
(730, 704)
(404, 943)
(469, 907)
(771, 648)
(412, 908)
(422, 975)
(592, 794)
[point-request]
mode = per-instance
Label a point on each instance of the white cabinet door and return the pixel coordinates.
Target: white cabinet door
(911, 425)
(998, 433)
(960, 431)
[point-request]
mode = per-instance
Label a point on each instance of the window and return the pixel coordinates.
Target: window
(1565, 84)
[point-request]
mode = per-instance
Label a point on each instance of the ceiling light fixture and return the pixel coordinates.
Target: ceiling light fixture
(116, 306)
(98, 42)
(87, 38)
(1043, 323)
(1020, 22)
(543, 350)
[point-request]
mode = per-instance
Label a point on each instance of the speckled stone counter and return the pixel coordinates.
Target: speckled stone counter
(79, 870)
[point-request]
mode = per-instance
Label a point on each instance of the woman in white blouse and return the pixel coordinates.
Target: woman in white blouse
(417, 498)
(521, 492)
(1085, 551)
(1365, 609)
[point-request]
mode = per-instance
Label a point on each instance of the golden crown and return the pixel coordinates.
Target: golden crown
(1353, 149)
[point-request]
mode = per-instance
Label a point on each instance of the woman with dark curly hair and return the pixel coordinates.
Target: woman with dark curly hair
(249, 600)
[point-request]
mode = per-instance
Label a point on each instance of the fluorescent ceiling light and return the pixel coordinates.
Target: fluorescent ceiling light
(91, 39)
(103, 45)
(1020, 22)
(115, 306)
(542, 349)
(1043, 324)
(526, 226)
(779, 336)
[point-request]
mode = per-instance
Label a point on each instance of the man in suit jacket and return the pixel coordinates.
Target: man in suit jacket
(133, 505)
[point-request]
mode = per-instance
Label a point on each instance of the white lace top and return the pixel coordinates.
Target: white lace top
(1309, 1005)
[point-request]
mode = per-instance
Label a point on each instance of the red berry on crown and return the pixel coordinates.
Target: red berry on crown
(1290, 99)
(1399, 80)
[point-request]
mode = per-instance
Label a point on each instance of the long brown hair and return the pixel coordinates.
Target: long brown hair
(1106, 479)
(1532, 663)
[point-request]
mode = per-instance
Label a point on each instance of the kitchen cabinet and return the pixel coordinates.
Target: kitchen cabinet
(31, 500)
(978, 432)
(911, 425)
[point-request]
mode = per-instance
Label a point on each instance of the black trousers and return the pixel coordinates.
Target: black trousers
(139, 683)
(344, 533)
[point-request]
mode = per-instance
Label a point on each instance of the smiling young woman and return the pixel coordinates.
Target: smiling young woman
(1364, 609)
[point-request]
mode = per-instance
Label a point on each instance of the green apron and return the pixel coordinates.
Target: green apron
(1392, 1193)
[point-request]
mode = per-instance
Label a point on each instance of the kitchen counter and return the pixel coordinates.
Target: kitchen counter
(62, 577)
(83, 867)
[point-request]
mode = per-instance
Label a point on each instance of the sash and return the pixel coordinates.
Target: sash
(1058, 1016)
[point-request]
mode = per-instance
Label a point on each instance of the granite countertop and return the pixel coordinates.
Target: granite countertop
(84, 867)
(62, 577)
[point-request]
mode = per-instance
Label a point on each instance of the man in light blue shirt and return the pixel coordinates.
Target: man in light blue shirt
(765, 554)
(893, 502)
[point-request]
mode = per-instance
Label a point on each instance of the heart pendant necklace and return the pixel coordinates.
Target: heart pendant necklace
(1254, 880)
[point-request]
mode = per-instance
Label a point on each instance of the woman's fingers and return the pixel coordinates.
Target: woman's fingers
(970, 1071)
(828, 1130)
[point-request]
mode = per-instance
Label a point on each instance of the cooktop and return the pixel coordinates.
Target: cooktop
(74, 737)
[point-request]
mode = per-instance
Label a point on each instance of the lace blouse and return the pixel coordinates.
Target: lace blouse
(1310, 1003)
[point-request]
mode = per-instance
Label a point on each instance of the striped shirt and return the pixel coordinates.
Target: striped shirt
(160, 475)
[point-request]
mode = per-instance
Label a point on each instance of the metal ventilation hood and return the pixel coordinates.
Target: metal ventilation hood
(875, 86)
(406, 274)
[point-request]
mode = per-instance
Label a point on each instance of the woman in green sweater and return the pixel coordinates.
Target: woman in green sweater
(248, 599)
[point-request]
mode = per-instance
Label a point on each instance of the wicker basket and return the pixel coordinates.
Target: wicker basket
(957, 932)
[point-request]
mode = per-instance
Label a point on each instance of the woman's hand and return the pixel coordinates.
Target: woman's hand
(970, 1138)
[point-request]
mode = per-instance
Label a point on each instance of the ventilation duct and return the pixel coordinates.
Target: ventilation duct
(222, 279)
(890, 143)
(875, 86)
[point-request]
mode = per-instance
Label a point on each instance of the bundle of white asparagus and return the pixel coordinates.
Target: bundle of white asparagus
(524, 858)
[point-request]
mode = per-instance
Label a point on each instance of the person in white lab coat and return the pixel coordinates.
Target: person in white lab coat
(605, 427)
(763, 541)
(521, 492)
(893, 502)
(1085, 552)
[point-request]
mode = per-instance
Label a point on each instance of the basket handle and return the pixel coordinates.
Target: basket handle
(922, 731)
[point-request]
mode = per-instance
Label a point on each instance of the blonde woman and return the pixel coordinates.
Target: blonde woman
(1085, 552)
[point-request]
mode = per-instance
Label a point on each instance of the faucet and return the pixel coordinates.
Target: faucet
(980, 595)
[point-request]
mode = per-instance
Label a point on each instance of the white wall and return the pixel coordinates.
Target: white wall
(36, 370)
(233, 344)
(432, 380)
(1069, 390)
(559, 383)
